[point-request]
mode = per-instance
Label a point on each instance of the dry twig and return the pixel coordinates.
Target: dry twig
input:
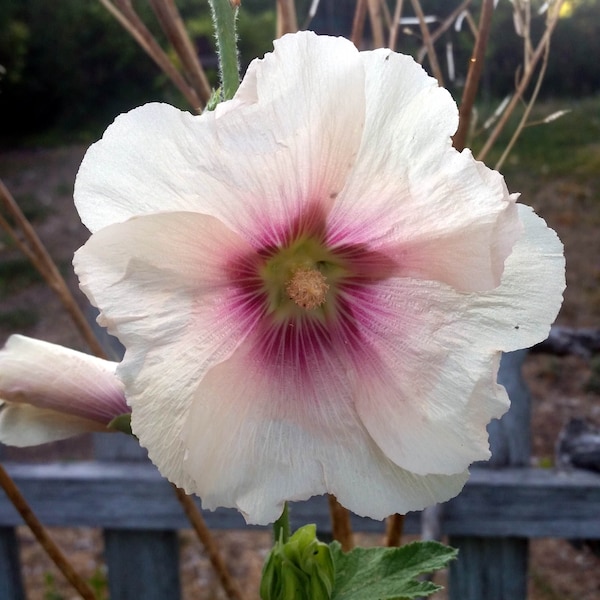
(34, 249)
(287, 22)
(358, 23)
(340, 522)
(205, 536)
(524, 82)
(131, 22)
(428, 42)
(474, 75)
(394, 527)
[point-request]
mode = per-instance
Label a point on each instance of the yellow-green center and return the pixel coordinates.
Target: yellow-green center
(300, 277)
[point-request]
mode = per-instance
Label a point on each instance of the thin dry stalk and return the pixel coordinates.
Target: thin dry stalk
(395, 27)
(42, 261)
(385, 12)
(523, 83)
(523, 9)
(376, 20)
(287, 21)
(526, 112)
(428, 42)
(40, 533)
(340, 523)
(172, 24)
(131, 22)
(358, 23)
(205, 536)
(437, 34)
(394, 527)
(474, 75)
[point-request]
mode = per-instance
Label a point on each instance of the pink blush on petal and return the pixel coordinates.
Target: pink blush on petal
(294, 346)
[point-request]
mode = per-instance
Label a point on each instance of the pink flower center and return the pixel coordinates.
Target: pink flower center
(308, 297)
(302, 276)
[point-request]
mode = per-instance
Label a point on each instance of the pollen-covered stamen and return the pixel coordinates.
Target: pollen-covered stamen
(307, 288)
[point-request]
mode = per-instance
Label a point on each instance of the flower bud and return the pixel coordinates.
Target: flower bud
(301, 568)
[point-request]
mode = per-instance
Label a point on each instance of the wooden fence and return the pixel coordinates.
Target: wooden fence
(504, 504)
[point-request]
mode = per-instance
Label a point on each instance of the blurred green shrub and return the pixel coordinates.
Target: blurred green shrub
(67, 68)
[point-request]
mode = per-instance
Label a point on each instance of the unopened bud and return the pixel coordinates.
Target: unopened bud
(301, 568)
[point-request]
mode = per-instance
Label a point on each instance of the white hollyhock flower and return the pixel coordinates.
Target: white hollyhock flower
(313, 287)
(48, 392)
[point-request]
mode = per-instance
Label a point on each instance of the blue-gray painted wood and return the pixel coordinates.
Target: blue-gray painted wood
(118, 447)
(496, 568)
(510, 436)
(526, 502)
(141, 563)
(11, 584)
(504, 576)
(144, 564)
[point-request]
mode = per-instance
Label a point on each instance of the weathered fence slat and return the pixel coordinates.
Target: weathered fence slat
(11, 583)
(496, 568)
(504, 575)
(515, 501)
(141, 564)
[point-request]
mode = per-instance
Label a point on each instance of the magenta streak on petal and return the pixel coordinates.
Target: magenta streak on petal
(294, 351)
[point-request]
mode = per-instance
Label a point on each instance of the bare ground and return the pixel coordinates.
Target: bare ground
(561, 387)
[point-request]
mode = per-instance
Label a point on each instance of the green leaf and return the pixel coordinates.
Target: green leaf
(387, 573)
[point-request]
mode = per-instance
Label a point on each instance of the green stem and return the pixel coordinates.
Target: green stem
(224, 15)
(281, 527)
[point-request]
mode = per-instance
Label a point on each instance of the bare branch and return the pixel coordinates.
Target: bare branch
(433, 61)
(474, 75)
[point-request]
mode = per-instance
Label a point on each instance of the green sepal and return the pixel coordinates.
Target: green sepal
(121, 423)
(387, 573)
(300, 568)
(213, 101)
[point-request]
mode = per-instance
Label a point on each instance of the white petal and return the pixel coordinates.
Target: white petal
(287, 146)
(23, 425)
(428, 401)
(249, 447)
(166, 290)
(439, 213)
(519, 312)
(58, 378)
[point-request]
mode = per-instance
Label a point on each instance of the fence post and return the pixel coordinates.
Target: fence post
(11, 582)
(141, 564)
(496, 568)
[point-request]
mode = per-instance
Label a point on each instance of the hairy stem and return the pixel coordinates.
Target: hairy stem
(224, 14)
